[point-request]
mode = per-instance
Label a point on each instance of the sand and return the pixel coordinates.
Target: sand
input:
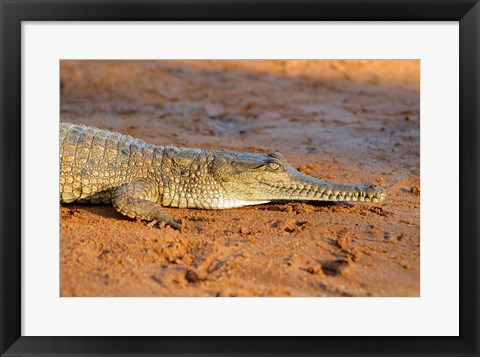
(344, 121)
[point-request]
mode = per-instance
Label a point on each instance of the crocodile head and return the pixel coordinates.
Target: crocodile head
(249, 178)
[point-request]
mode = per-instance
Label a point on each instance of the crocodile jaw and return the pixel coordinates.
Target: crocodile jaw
(307, 188)
(260, 185)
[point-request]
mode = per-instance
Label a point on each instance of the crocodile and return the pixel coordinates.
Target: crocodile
(138, 179)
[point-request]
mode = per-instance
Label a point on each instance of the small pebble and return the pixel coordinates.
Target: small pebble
(315, 270)
(415, 190)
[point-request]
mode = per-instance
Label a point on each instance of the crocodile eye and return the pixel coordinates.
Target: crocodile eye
(273, 166)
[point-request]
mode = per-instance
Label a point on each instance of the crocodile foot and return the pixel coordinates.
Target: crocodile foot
(163, 220)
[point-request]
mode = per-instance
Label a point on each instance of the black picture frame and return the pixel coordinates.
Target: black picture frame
(13, 12)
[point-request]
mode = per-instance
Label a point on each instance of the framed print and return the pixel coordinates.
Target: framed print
(236, 177)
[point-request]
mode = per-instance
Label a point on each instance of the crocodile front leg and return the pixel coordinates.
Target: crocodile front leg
(138, 200)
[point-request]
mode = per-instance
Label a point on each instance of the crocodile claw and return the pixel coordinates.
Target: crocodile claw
(162, 221)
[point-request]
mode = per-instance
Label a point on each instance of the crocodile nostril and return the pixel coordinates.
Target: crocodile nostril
(373, 186)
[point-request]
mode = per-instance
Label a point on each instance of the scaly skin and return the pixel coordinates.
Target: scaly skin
(100, 166)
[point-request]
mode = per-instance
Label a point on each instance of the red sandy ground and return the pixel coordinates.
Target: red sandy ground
(345, 121)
